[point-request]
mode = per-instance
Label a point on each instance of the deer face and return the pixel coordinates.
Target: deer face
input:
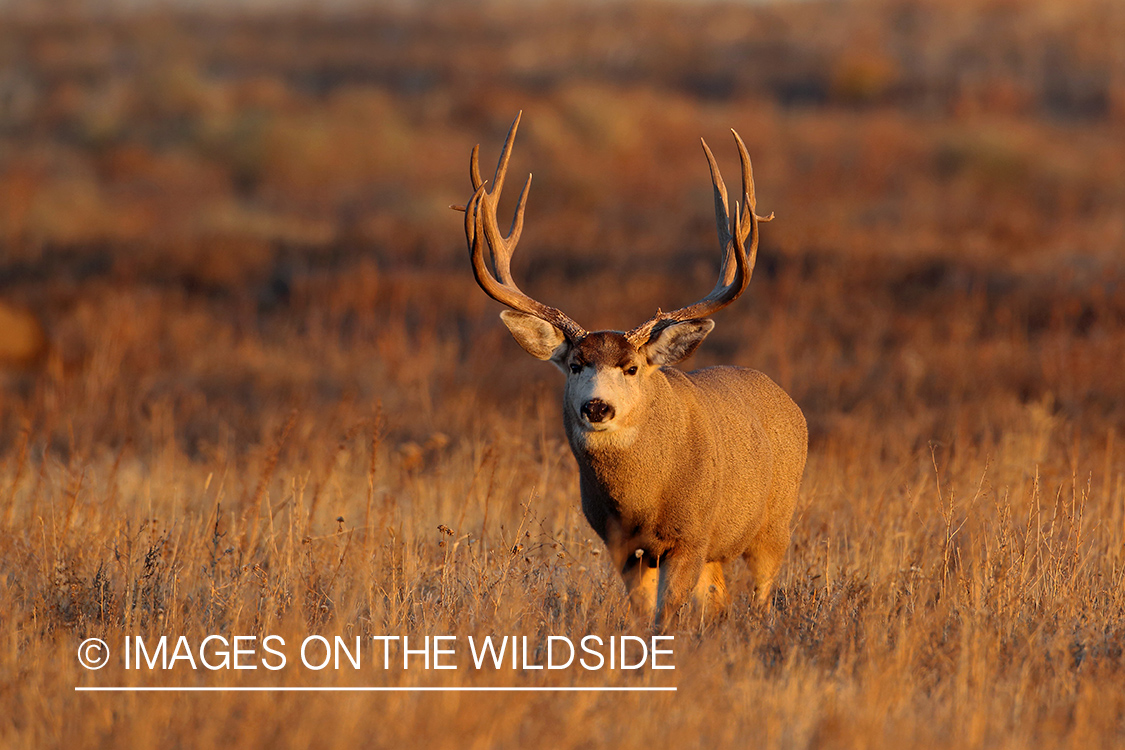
(607, 377)
(607, 371)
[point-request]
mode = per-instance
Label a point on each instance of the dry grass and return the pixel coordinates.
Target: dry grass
(275, 402)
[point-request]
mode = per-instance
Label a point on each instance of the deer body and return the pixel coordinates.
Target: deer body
(679, 472)
(699, 471)
(703, 469)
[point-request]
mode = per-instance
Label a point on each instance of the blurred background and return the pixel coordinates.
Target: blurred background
(249, 385)
(218, 213)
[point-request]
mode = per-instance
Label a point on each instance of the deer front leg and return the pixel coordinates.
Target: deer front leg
(638, 569)
(710, 594)
(642, 577)
(679, 573)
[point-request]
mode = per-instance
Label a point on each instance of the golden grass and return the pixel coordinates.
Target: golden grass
(961, 592)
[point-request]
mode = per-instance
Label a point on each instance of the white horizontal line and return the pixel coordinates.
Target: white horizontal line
(369, 689)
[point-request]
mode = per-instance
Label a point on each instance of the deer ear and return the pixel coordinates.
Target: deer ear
(677, 342)
(539, 338)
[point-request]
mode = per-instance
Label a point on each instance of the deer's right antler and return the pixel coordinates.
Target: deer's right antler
(482, 226)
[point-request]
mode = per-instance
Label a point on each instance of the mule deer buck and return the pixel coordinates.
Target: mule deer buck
(679, 472)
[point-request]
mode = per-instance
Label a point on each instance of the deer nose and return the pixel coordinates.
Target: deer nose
(597, 410)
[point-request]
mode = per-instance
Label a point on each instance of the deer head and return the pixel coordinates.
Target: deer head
(608, 372)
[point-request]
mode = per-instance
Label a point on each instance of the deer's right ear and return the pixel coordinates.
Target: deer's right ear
(539, 338)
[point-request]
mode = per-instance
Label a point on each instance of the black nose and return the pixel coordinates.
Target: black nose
(597, 410)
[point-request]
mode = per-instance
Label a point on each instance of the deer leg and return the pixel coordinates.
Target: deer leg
(710, 594)
(679, 574)
(764, 569)
(641, 578)
(639, 572)
(764, 559)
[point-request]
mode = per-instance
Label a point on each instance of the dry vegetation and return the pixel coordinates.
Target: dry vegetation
(271, 378)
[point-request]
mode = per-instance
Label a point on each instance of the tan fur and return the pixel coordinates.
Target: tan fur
(707, 471)
(679, 472)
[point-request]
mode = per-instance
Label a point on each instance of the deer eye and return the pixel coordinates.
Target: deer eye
(575, 368)
(631, 371)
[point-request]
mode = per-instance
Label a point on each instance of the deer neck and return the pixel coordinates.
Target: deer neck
(636, 448)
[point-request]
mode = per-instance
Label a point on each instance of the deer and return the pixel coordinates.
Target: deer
(679, 472)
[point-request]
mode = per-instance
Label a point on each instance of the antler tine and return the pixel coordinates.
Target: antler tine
(481, 227)
(750, 201)
(501, 246)
(502, 259)
(474, 167)
(737, 264)
(722, 220)
(505, 155)
(747, 172)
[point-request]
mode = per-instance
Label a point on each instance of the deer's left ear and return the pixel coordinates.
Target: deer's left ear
(677, 342)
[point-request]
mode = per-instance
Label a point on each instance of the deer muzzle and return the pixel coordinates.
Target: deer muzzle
(597, 411)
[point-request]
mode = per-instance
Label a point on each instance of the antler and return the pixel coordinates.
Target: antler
(481, 226)
(738, 261)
